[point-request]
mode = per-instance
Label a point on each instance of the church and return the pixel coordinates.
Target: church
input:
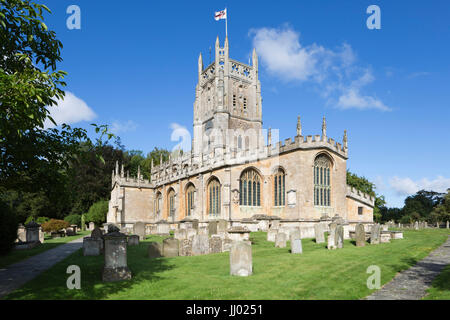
(236, 170)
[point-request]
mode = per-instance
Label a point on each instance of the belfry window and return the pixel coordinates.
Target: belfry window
(190, 199)
(250, 189)
(279, 188)
(322, 181)
(214, 198)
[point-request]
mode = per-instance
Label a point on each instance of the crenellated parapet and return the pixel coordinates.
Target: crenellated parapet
(360, 196)
(122, 180)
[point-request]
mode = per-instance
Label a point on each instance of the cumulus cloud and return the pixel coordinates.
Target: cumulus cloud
(180, 132)
(334, 72)
(407, 186)
(69, 110)
(123, 126)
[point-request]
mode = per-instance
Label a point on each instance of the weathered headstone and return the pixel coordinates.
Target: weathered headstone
(375, 234)
(115, 268)
(180, 234)
(295, 234)
(319, 233)
(222, 226)
(32, 231)
(185, 248)
(154, 250)
(200, 245)
(170, 247)
(360, 235)
(340, 236)
(139, 229)
(21, 233)
(226, 244)
(96, 233)
(203, 231)
(195, 224)
(133, 240)
(447, 224)
(271, 235)
(91, 226)
(438, 224)
(190, 233)
(212, 227)
(296, 245)
(331, 245)
(385, 237)
(41, 235)
(241, 259)
(92, 246)
(280, 240)
(416, 225)
(215, 244)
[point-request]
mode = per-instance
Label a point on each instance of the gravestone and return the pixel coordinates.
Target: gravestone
(295, 234)
(296, 245)
(180, 234)
(222, 226)
(32, 231)
(212, 228)
(21, 233)
(154, 250)
(375, 234)
(70, 232)
(200, 245)
(447, 224)
(41, 235)
(385, 237)
(170, 247)
(91, 226)
(331, 245)
(133, 240)
(319, 233)
(396, 235)
(215, 244)
(438, 224)
(241, 259)
(185, 248)
(340, 236)
(203, 231)
(416, 225)
(274, 224)
(195, 224)
(190, 233)
(226, 244)
(139, 229)
(280, 240)
(96, 233)
(92, 246)
(360, 235)
(115, 268)
(271, 235)
(162, 227)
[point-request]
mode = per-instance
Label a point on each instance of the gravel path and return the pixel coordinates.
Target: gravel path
(411, 284)
(15, 275)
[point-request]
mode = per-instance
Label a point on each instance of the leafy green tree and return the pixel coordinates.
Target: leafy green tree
(73, 219)
(442, 211)
(420, 205)
(97, 212)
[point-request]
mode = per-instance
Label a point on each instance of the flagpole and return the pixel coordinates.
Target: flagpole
(226, 23)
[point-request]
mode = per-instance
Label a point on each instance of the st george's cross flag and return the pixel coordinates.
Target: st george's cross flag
(220, 15)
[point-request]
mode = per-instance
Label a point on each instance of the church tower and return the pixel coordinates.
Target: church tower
(228, 96)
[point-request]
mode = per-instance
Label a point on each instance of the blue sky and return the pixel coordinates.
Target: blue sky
(133, 65)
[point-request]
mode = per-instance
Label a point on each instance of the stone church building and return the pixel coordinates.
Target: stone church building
(233, 173)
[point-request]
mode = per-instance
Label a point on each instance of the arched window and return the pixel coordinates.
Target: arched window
(190, 199)
(158, 203)
(214, 197)
(322, 181)
(250, 189)
(171, 206)
(279, 190)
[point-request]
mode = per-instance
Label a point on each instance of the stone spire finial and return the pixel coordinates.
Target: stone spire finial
(217, 42)
(299, 126)
(324, 127)
(139, 173)
(200, 64)
(345, 140)
(255, 59)
(151, 166)
(117, 167)
(160, 159)
(269, 137)
(122, 171)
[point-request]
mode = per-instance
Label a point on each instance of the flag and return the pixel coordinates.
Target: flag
(220, 15)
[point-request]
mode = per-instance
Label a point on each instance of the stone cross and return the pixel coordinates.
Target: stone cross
(241, 259)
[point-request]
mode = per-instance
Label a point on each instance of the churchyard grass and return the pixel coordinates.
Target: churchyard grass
(49, 243)
(440, 288)
(318, 273)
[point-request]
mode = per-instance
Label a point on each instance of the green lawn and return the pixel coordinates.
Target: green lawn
(440, 288)
(49, 243)
(316, 274)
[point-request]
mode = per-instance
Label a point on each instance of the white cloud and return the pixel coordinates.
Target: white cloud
(180, 132)
(69, 110)
(334, 72)
(122, 127)
(407, 186)
(418, 74)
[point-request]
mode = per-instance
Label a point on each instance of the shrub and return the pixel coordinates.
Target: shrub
(73, 219)
(97, 212)
(54, 225)
(8, 228)
(40, 220)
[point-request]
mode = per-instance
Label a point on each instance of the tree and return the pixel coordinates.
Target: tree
(442, 211)
(420, 205)
(97, 212)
